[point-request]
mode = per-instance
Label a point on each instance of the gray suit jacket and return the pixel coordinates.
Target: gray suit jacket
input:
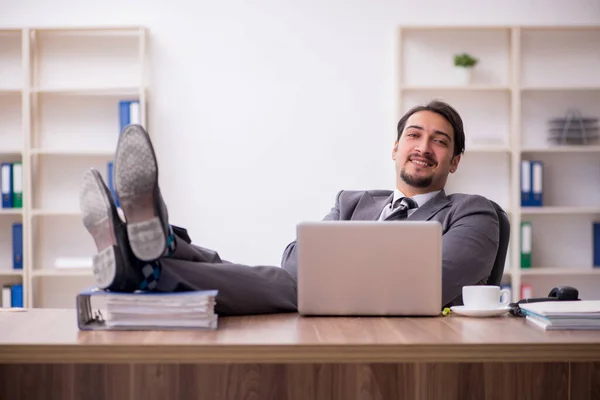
(470, 233)
(469, 245)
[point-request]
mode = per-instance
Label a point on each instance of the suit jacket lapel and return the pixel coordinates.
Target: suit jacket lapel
(369, 208)
(432, 207)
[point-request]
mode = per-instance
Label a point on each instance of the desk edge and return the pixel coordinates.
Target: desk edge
(274, 354)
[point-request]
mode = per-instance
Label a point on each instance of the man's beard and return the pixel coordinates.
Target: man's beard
(419, 182)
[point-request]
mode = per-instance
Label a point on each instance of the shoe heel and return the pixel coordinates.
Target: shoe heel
(104, 266)
(147, 239)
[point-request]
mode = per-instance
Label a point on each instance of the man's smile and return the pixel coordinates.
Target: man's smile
(421, 162)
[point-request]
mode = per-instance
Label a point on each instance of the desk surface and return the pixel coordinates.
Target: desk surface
(52, 336)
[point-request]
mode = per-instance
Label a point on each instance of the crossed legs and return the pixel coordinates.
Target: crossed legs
(144, 252)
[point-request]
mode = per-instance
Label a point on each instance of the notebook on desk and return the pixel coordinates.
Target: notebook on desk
(563, 315)
(369, 268)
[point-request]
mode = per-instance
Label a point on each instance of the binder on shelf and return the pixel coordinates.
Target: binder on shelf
(17, 185)
(129, 113)
(7, 196)
(596, 241)
(17, 250)
(537, 183)
(111, 181)
(16, 297)
(6, 297)
(508, 287)
(526, 241)
(526, 291)
(526, 192)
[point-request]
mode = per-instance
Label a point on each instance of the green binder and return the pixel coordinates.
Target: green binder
(526, 244)
(17, 182)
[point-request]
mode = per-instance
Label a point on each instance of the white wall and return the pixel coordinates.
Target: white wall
(284, 102)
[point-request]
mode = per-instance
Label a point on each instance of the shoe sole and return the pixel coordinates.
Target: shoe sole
(136, 179)
(98, 220)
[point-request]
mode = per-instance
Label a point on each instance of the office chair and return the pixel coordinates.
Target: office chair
(495, 277)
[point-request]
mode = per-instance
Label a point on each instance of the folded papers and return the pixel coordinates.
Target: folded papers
(563, 315)
(98, 309)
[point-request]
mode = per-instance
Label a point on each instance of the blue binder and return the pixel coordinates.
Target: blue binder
(17, 237)
(129, 113)
(596, 243)
(526, 191)
(6, 181)
(17, 295)
(537, 183)
(111, 181)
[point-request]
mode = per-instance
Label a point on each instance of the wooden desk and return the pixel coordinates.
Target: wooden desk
(43, 355)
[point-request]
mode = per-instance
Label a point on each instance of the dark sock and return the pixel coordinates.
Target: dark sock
(152, 270)
(171, 243)
(151, 273)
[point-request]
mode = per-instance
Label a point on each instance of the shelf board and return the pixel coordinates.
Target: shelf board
(63, 272)
(91, 91)
(11, 211)
(487, 149)
(9, 91)
(11, 152)
(562, 149)
(560, 271)
(559, 88)
(11, 272)
(559, 210)
(55, 213)
(75, 30)
(466, 88)
(74, 152)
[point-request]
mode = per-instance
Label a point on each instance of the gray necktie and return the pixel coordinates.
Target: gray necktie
(401, 207)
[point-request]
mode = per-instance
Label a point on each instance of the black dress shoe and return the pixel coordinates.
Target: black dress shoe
(114, 266)
(136, 184)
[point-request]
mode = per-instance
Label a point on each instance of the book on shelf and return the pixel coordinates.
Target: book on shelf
(6, 177)
(129, 113)
(12, 295)
(563, 315)
(526, 244)
(526, 291)
(110, 181)
(596, 244)
(12, 184)
(532, 183)
(17, 242)
(17, 182)
(103, 310)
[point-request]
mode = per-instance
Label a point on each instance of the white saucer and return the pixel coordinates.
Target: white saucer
(472, 312)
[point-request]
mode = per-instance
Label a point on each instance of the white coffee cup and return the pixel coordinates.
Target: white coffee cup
(482, 297)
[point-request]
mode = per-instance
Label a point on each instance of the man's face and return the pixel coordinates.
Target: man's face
(424, 153)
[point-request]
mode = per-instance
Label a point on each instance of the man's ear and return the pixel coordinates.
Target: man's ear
(395, 150)
(454, 163)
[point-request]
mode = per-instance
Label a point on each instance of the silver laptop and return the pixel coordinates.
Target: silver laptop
(366, 268)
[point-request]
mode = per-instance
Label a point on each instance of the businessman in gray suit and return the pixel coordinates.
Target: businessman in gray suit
(146, 252)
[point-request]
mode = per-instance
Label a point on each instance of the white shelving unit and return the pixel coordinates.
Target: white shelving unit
(59, 106)
(525, 76)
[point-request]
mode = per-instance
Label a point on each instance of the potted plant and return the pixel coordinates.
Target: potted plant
(465, 64)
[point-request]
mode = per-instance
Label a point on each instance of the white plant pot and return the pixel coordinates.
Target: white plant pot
(463, 75)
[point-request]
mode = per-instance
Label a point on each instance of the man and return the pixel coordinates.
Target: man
(146, 253)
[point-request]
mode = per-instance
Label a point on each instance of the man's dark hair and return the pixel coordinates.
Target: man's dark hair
(446, 111)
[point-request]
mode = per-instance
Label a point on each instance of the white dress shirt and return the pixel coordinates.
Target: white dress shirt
(420, 199)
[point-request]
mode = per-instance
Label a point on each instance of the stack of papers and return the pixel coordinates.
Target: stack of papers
(146, 310)
(568, 315)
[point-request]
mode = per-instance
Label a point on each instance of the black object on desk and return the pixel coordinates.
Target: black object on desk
(559, 293)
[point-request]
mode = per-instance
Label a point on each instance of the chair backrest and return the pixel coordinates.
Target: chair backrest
(498, 268)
